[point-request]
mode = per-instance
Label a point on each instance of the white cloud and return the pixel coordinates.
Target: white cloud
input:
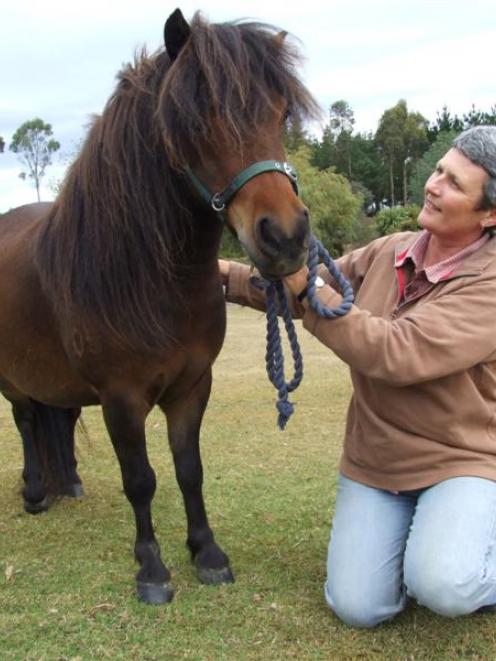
(452, 71)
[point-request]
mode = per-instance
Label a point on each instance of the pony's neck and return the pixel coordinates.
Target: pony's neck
(123, 228)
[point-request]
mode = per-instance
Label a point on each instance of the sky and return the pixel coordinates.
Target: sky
(59, 60)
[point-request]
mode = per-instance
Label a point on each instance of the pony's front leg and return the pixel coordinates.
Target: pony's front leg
(125, 421)
(184, 418)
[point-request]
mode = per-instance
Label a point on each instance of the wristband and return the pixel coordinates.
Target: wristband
(318, 284)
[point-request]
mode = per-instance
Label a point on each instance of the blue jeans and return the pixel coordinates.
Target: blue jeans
(436, 545)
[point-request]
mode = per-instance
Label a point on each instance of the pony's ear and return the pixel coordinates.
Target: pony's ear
(176, 33)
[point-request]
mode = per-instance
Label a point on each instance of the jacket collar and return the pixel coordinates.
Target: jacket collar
(474, 264)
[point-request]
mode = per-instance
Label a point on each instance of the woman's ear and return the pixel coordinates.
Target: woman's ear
(490, 219)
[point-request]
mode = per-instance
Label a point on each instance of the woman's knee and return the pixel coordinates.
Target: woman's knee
(443, 588)
(360, 609)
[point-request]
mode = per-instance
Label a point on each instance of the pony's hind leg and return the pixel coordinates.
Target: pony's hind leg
(50, 466)
(34, 492)
(73, 487)
(184, 420)
(125, 422)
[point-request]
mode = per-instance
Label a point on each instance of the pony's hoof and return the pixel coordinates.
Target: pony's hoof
(75, 490)
(37, 507)
(155, 593)
(209, 576)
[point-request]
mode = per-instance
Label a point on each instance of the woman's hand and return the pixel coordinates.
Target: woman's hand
(297, 282)
(224, 267)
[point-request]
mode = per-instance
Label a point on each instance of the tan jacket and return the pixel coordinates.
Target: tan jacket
(424, 374)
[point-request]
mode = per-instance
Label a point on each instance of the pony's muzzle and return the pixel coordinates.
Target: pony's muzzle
(283, 245)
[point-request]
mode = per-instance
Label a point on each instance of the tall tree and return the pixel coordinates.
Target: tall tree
(341, 117)
(445, 122)
(368, 169)
(476, 117)
(295, 136)
(401, 137)
(389, 137)
(322, 156)
(415, 142)
(2, 144)
(35, 147)
(342, 121)
(334, 149)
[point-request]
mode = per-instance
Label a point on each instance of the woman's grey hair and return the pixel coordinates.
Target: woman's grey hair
(479, 145)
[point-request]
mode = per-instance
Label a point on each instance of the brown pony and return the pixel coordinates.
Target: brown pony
(112, 295)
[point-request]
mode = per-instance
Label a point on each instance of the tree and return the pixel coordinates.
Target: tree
(397, 219)
(368, 169)
(445, 123)
(295, 135)
(362, 158)
(35, 147)
(390, 140)
(402, 138)
(334, 148)
(322, 156)
(425, 166)
(341, 125)
(2, 144)
(415, 142)
(335, 211)
(476, 117)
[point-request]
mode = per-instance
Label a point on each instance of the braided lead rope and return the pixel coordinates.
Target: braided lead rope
(316, 252)
(274, 358)
(277, 303)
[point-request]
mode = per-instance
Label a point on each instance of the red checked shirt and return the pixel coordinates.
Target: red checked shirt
(414, 280)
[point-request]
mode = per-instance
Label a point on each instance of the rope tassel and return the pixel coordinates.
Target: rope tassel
(277, 304)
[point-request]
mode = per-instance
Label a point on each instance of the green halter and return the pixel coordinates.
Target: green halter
(219, 201)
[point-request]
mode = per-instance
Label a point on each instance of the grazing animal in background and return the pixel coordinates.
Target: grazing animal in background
(112, 295)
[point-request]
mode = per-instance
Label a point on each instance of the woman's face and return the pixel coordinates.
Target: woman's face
(452, 196)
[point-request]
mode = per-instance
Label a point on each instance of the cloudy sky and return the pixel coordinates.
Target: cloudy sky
(59, 59)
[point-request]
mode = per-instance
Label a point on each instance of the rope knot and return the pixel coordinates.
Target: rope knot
(286, 410)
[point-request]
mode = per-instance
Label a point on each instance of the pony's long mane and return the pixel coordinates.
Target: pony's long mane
(112, 242)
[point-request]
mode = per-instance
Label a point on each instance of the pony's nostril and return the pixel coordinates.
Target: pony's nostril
(302, 228)
(269, 236)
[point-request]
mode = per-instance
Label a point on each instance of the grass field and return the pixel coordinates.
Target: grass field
(67, 577)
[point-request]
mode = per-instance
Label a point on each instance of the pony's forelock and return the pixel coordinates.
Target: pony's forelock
(235, 72)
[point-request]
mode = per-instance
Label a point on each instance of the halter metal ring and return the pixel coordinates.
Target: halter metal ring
(217, 203)
(289, 170)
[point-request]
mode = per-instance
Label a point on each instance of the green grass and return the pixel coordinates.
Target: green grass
(67, 577)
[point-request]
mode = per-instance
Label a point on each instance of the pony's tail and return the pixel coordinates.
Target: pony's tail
(53, 436)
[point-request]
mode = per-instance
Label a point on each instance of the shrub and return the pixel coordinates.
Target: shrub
(397, 219)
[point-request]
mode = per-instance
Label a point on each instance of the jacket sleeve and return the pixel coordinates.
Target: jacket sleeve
(438, 337)
(242, 290)
(354, 265)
